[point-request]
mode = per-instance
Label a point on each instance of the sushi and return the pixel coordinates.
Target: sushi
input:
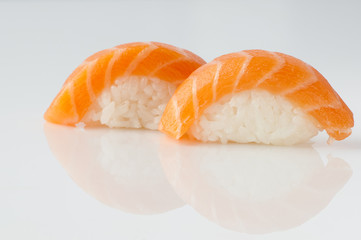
(256, 96)
(125, 86)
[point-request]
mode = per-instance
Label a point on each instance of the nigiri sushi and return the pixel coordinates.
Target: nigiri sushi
(125, 86)
(256, 96)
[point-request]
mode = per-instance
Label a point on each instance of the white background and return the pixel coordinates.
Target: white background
(42, 42)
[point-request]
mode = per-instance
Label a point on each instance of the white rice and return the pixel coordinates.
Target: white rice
(254, 116)
(132, 102)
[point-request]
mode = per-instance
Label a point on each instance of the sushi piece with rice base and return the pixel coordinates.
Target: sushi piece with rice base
(125, 86)
(256, 96)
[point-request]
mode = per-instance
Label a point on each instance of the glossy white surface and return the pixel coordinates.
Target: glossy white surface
(64, 183)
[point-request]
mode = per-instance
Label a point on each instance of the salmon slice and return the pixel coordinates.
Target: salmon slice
(278, 74)
(100, 71)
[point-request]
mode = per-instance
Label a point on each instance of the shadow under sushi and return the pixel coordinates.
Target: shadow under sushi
(118, 167)
(252, 188)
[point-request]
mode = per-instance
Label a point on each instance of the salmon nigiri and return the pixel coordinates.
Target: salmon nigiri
(256, 96)
(125, 86)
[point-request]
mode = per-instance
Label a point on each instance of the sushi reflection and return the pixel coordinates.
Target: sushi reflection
(120, 168)
(253, 189)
